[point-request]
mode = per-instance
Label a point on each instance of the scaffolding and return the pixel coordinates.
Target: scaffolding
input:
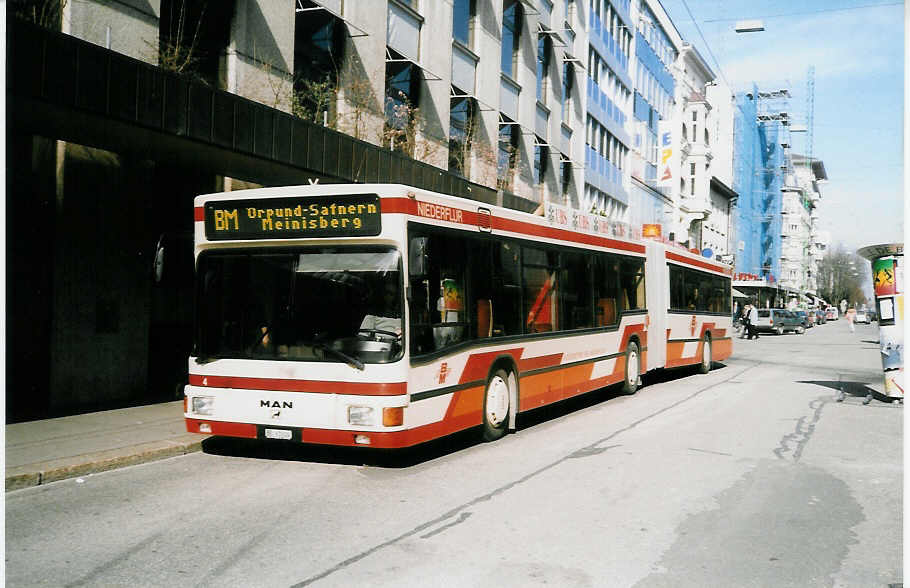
(761, 143)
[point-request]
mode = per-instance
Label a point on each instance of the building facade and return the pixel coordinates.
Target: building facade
(802, 244)
(702, 175)
(116, 124)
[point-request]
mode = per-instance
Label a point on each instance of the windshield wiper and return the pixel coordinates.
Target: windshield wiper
(340, 354)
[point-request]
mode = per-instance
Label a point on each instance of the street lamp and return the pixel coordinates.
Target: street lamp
(750, 26)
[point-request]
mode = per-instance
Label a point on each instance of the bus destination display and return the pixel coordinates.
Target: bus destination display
(344, 215)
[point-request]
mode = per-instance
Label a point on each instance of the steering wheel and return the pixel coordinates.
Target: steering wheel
(376, 332)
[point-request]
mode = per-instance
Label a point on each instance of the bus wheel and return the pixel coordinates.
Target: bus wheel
(633, 366)
(707, 359)
(496, 406)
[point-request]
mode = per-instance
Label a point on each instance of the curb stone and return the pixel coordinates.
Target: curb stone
(45, 472)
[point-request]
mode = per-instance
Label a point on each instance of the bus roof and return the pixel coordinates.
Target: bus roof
(558, 223)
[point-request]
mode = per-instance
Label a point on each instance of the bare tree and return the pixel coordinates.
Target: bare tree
(179, 52)
(314, 100)
(44, 13)
(841, 275)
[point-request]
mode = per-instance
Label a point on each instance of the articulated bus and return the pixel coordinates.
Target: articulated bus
(386, 316)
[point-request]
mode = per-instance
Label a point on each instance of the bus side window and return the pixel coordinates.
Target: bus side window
(632, 277)
(484, 318)
(541, 293)
(506, 289)
(677, 287)
(606, 286)
(575, 282)
(606, 311)
(480, 288)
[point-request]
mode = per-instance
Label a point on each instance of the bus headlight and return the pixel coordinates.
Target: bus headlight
(361, 415)
(204, 405)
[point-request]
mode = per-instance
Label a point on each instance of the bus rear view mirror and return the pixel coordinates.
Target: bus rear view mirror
(417, 257)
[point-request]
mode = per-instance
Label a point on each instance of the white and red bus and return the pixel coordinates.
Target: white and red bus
(386, 316)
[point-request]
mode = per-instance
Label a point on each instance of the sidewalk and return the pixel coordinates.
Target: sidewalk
(39, 452)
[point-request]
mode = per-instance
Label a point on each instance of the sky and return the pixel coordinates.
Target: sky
(857, 49)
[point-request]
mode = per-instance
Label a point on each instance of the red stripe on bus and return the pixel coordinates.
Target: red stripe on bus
(477, 367)
(697, 262)
(317, 386)
(198, 214)
(471, 218)
(378, 439)
(398, 206)
(526, 228)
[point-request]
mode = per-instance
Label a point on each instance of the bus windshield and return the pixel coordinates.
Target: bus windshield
(334, 304)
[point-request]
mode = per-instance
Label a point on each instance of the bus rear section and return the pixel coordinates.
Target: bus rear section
(699, 322)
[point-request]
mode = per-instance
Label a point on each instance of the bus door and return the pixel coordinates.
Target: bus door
(658, 299)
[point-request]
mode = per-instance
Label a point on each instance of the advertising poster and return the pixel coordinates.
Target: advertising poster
(666, 163)
(452, 296)
(883, 277)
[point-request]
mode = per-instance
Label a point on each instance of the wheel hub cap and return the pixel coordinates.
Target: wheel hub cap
(497, 401)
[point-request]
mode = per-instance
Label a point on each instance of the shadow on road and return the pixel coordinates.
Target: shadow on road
(855, 389)
(403, 458)
(357, 456)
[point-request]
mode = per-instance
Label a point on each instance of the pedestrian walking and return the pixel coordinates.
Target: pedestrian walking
(851, 318)
(744, 321)
(753, 322)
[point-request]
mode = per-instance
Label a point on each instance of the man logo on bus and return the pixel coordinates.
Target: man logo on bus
(443, 372)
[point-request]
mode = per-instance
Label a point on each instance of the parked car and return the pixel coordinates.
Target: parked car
(861, 317)
(873, 316)
(779, 320)
(806, 319)
(820, 318)
(831, 313)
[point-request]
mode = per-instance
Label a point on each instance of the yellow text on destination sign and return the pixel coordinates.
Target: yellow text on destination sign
(294, 217)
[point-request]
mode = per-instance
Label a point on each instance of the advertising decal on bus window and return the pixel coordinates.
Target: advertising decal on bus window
(348, 215)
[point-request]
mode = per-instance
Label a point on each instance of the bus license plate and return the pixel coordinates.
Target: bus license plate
(283, 434)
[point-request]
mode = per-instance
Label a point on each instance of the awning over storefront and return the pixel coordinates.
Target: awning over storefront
(738, 294)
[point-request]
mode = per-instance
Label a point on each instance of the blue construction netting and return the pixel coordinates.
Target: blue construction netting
(758, 160)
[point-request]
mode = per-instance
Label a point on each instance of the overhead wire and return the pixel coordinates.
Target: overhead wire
(820, 10)
(707, 47)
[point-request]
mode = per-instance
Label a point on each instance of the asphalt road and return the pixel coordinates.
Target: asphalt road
(752, 475)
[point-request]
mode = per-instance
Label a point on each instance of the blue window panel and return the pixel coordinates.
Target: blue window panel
(642, 109)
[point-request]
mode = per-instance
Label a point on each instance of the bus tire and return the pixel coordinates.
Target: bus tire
(633, 367)
(707, 358)
(496, 400)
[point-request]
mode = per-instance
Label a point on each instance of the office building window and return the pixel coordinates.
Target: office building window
(402, 97)
(568, 81)
(318, 44)
(543, 66)
(541, 155)
(511, 32)
(463, 21)
(509, 135)
(461, 134)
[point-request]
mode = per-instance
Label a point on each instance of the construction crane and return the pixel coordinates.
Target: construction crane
(810, 113)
